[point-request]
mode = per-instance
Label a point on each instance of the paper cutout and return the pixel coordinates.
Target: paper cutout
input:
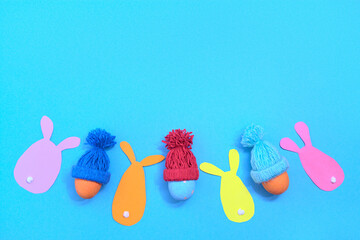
(130, 198)
(323, 170)
(38, 167)
(237, 202)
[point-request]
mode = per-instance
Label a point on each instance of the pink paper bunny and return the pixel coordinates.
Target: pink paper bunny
(37, 169)
(323, 170)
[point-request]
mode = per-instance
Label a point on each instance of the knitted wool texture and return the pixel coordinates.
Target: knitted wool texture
(94, 164)
(266, 161)
(180, 161)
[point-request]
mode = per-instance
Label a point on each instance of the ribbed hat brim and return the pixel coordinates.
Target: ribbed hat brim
(91, 174)
(270, 172)
(181, 174)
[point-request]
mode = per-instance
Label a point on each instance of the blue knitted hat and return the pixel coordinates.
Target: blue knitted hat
(266, 161)
(94, 164)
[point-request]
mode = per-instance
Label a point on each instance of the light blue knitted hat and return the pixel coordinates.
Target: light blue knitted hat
(266, 161)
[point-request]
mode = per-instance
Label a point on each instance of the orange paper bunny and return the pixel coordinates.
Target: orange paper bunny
(130, 198)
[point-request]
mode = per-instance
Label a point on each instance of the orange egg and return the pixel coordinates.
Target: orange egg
(86, 189)
(277, 185)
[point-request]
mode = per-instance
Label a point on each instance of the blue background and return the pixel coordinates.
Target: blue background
(141, 68)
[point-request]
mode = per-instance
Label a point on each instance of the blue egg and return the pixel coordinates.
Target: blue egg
(181, 190)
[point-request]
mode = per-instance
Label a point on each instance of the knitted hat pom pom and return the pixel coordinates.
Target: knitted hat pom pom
(178, 138)
(100, 138)
(252, 135)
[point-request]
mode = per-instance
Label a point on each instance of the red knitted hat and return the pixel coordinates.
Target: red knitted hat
(180, 162)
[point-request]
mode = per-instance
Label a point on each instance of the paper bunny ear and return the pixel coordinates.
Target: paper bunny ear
(71, 142)
(303, 131)
(151, 160)
(47, 127)
(211, 169)
(125, 146)
(290, 145)
(234, 160)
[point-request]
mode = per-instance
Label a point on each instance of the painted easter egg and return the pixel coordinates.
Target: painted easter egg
(181, 190)
(277, 185)
(86, 189)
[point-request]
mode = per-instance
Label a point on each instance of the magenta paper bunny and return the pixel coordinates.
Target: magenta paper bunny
(37, 169)
(323, 170)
